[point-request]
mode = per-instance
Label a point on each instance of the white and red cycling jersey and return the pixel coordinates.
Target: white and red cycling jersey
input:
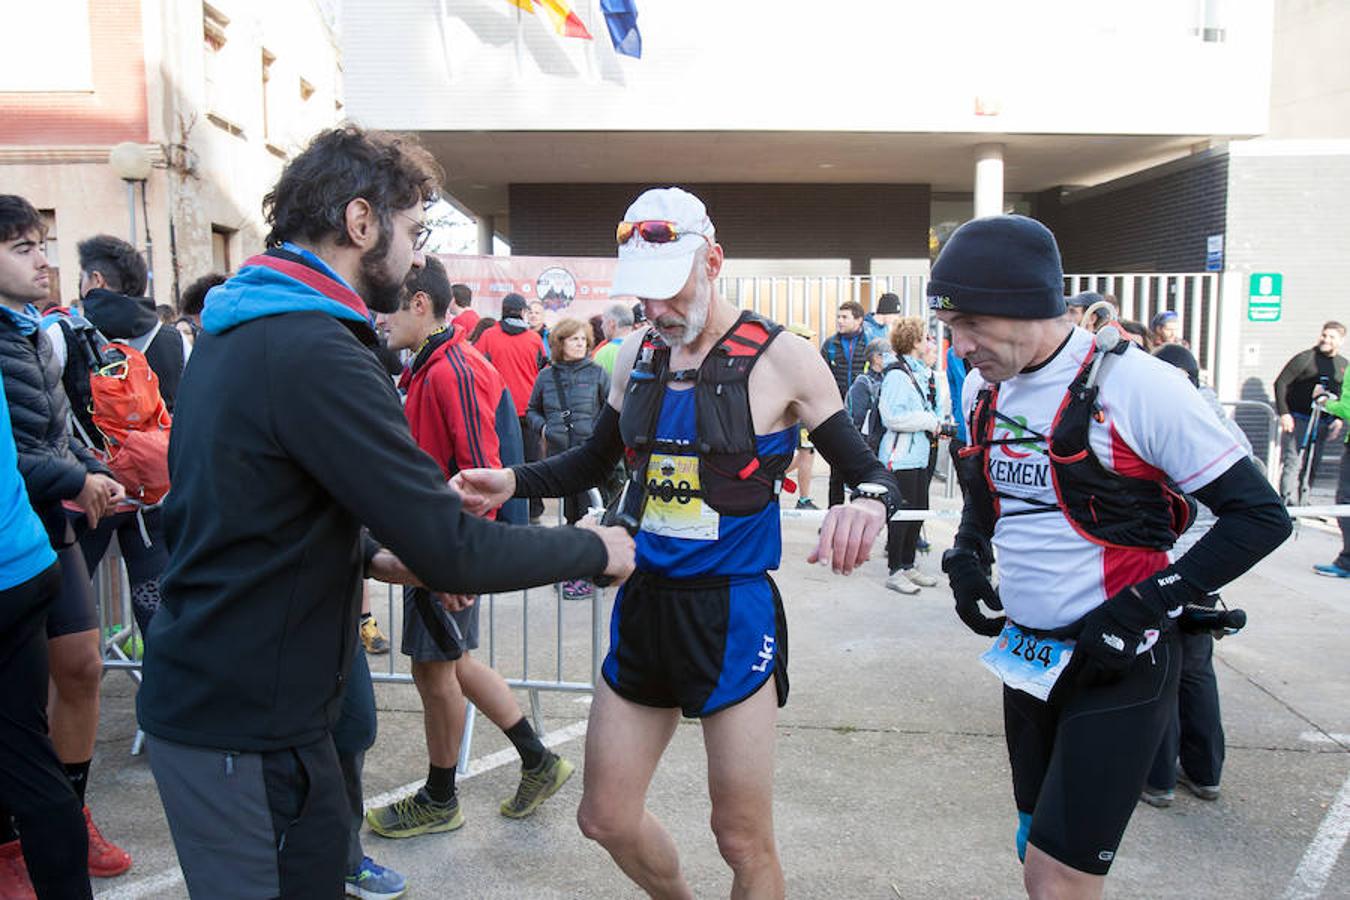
(1155, 425)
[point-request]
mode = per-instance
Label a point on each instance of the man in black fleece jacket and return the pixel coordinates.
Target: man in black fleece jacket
(289, 440)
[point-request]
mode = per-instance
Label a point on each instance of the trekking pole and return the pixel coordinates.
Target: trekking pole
(1308, 451)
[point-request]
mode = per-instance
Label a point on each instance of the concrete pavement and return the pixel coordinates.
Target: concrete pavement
(892, 777)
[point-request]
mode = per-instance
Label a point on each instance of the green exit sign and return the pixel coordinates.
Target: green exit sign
(1265, 297)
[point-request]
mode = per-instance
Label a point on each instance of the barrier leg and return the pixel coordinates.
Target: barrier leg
(536, 717)
(466, 742)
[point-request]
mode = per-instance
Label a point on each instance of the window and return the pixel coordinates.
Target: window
(221, 110)
(268, 60)
(53, 256)
(222, 246)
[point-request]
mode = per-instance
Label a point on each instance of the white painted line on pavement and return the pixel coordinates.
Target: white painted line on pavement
(171, 878)
(1317, 737)
(1320, 858)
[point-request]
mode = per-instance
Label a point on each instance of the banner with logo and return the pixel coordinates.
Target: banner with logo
(569, 287)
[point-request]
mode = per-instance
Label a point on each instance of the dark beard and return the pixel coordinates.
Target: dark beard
(377, 288)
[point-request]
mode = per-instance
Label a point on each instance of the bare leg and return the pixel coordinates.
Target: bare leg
(624, 742)
(488, 691)
(72, 706)
(443, 708)
(740, 744)
(1046, 878)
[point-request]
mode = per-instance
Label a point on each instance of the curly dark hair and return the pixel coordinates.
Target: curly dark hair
(18, 217)
(120, 264)
(309, 202)
(194, 296)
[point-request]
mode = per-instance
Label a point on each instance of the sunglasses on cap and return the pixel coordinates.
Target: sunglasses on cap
(653, 231)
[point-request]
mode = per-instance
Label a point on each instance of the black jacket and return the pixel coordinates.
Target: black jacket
(53, 465)
(846, 366)
(291, 437)
(1295, 383)
(585, 389)
(128, 318)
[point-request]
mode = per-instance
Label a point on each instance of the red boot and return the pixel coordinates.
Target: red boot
(14, 881)
(106, 859)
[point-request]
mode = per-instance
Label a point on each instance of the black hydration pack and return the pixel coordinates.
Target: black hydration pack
(1103, 507)
(734, 478)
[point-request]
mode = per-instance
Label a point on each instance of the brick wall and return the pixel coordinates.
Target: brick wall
(857, 222)
(116, 109)
(1153, 221)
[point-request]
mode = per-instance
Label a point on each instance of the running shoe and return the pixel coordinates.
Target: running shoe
(374, 642)
(922, 579)
(900, 582)
(374, 882)
(1331, 570)
(415, 814)
(1157, 797)
(537, 785)
(106, 859)
(806, 503)
(580, 589)
(14, 881)
(1203, 791)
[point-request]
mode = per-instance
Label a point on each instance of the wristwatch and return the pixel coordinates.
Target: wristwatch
(870, 490)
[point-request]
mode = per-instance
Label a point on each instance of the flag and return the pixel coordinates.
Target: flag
(621, 17)
(565, 22)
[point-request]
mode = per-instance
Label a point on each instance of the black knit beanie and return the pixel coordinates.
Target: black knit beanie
(999, 266)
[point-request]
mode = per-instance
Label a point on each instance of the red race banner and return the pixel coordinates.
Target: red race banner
(569, 287)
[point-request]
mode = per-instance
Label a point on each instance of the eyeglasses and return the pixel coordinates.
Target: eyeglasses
(423, 233)
(654, 231)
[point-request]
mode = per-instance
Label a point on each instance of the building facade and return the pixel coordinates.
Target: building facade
(218, 95)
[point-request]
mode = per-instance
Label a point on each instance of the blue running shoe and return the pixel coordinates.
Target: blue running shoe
(1332, 570)
(374, 882)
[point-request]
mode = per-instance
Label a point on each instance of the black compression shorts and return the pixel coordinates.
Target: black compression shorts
(700, 644)
(1079, 763)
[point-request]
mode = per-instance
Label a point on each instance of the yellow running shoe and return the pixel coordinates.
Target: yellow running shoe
(415, 814)
(537, 785)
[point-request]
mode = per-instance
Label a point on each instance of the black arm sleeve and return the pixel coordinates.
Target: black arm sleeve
(843, 447)
(976, 531)
(1251, 524)
(579, 469)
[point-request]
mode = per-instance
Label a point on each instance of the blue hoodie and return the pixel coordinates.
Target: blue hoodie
(24, 552)
(257, 290)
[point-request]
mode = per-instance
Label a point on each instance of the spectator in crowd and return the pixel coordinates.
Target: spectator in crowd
(166, 313)
(453, 399)
(189, 325)
(956, 377)
(1136, 334)
(564, 405)
(910, 408)
(863, 397)
(517, 352)
(804, 460)
(277, 463)
(703, 584)
(617, 324)
(461, 313)
(55, 468)
(1192, 749)
(484, 324)
(1165, 328)
(1338, 406)
(845, 352)
(534, 318)
(112, 284)
(1077, 305)
(877, 324)
(597, 323)
(50, 850)
(1320, 365)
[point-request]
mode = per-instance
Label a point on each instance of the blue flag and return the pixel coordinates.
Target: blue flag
(621, 17)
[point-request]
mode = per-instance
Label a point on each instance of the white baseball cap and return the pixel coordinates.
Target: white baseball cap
(657, 271)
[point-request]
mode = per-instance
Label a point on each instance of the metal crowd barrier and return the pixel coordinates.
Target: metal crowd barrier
(1259, 422)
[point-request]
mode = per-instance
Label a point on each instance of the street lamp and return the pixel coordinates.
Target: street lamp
(131, 162)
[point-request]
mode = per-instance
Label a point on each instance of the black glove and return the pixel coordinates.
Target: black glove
(969, 579)
(1112, 633)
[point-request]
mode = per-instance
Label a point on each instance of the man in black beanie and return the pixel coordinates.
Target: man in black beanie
(1073, 476)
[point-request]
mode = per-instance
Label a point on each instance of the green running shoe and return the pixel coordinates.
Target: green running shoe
(415, 814)
(537, 785)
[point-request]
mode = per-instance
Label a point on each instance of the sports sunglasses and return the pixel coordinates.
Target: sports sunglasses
(653, 231)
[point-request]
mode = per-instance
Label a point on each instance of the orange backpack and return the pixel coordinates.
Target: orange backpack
(130, 415)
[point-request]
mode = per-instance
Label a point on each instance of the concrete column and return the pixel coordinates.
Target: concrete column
(485, 229)
(988, 180)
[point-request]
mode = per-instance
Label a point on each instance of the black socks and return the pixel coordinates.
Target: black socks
(78, 773)
(527, 744)
(441, 784)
